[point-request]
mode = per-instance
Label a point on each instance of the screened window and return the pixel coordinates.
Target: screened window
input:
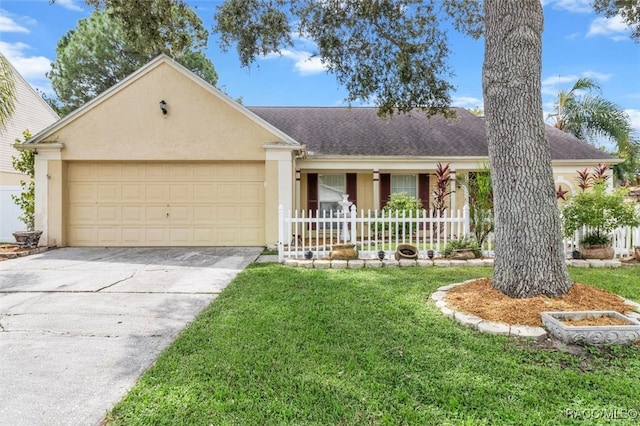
(404, 183)
(330, 190)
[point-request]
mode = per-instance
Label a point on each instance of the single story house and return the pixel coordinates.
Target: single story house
(165, 159)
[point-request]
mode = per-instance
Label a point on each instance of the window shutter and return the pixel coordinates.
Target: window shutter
(385, 189)
(312, 192)
(352, 187)
(423, 190)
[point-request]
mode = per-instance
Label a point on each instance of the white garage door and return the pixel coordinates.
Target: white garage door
(165, 204)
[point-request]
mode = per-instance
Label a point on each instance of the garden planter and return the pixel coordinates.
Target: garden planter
(595, 335)
(27, 239)
(636, 252)
(406, 251)
(597, 252)
(343, 252)
(463, 254)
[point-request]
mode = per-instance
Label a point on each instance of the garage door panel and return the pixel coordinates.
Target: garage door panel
(108, 172)
(155, 193)
(181, 193)
(83, 215)
(133, 214)
(133, 192)
(109, 236)
(109, 214)
(160, 204)
(109, 192)
(82, 192)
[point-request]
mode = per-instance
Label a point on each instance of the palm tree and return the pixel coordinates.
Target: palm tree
(7, 92)
(589, 116)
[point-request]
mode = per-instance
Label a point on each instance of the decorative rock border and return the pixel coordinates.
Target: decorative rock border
(402, 263)
(16, 254)
(498, 328)
(475, 322)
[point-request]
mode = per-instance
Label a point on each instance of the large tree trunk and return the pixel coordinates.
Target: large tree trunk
(529, 258)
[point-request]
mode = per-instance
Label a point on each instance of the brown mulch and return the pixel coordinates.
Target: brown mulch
(480, 299)
(596, 321)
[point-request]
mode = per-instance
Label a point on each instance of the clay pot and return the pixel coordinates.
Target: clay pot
(597, 252)
(343, 252)
(463, 254)
(406, 251)
(27, 239)
(636, 252)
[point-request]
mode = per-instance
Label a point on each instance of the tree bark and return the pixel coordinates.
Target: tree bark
(529, 257)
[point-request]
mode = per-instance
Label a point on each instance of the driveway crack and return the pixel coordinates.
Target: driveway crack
(117, 282)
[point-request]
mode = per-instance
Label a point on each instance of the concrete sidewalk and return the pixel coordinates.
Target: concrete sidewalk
(79, 326)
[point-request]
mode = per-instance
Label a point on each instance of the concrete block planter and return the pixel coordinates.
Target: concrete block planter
(595, 335)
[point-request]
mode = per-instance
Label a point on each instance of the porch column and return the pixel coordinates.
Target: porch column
(279, 186)
(48, 194)
(376, 189)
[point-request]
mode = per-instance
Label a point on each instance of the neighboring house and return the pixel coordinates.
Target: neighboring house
(31, 113)
(210, 172)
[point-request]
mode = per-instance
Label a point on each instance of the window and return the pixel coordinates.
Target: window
(330, 190)
(404, 183)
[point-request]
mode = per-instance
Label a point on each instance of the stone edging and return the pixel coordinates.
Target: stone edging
(497, 328)
(391, 263)
(16, 254)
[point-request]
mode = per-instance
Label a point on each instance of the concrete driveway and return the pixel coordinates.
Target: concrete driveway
(79, 326)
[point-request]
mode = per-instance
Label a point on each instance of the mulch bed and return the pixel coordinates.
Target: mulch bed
(480, 299)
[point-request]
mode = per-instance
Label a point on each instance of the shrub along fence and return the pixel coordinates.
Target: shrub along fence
(370, 231)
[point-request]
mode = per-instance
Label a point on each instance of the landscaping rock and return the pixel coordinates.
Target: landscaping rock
(467, 319)
(447, 312)
(339, 264)
(406, 262)
(441, 262)
(438, 295)
(305, 263)
(388, 263)
(355, 264)
(536, 333)
(290, 262)
(595, 263)
(372, 263)
(494, 328)
(612, 263)
(578, 263)
(424, 263)
(322, 264)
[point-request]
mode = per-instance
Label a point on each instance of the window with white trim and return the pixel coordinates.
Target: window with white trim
(404, 183)
(330, 190)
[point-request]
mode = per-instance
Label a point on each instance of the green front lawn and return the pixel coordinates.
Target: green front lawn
(292, 346)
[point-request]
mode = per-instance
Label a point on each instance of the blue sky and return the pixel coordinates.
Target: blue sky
(576, 43)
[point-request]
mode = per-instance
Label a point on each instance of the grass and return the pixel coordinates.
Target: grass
(289, 346)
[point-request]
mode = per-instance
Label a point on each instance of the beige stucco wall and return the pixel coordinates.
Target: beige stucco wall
(11, 179)
(128, 124)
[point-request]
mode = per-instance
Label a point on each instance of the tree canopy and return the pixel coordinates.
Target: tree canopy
(628, 10)
(100, 52)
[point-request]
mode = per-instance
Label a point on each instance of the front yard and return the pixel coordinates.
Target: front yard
(352, 347)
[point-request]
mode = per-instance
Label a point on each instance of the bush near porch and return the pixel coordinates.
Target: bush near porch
(351, 347)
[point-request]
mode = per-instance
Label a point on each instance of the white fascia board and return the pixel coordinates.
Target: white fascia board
(388, 163)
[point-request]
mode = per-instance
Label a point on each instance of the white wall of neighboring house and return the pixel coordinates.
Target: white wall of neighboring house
(31, 113)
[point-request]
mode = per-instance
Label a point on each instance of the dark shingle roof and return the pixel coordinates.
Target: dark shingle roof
(359, 131)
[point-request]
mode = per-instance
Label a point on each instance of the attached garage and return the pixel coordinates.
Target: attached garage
(202, 170)
(165, 204)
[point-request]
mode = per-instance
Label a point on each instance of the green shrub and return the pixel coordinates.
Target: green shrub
(600, 211)
(406, 205)
(24, 163)
(462, 243)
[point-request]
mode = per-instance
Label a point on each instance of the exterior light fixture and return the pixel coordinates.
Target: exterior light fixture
(163, 107)
(430, 254)
(381, 254)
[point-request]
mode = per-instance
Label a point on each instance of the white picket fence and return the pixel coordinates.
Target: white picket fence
(370, 231)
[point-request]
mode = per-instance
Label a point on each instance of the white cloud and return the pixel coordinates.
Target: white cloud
(304, 62)
(574, 6)
(467, 102)
(634, 117)
(614, 28)
(70, 4)
(32, 68)
(551, 85)
(8, 25)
